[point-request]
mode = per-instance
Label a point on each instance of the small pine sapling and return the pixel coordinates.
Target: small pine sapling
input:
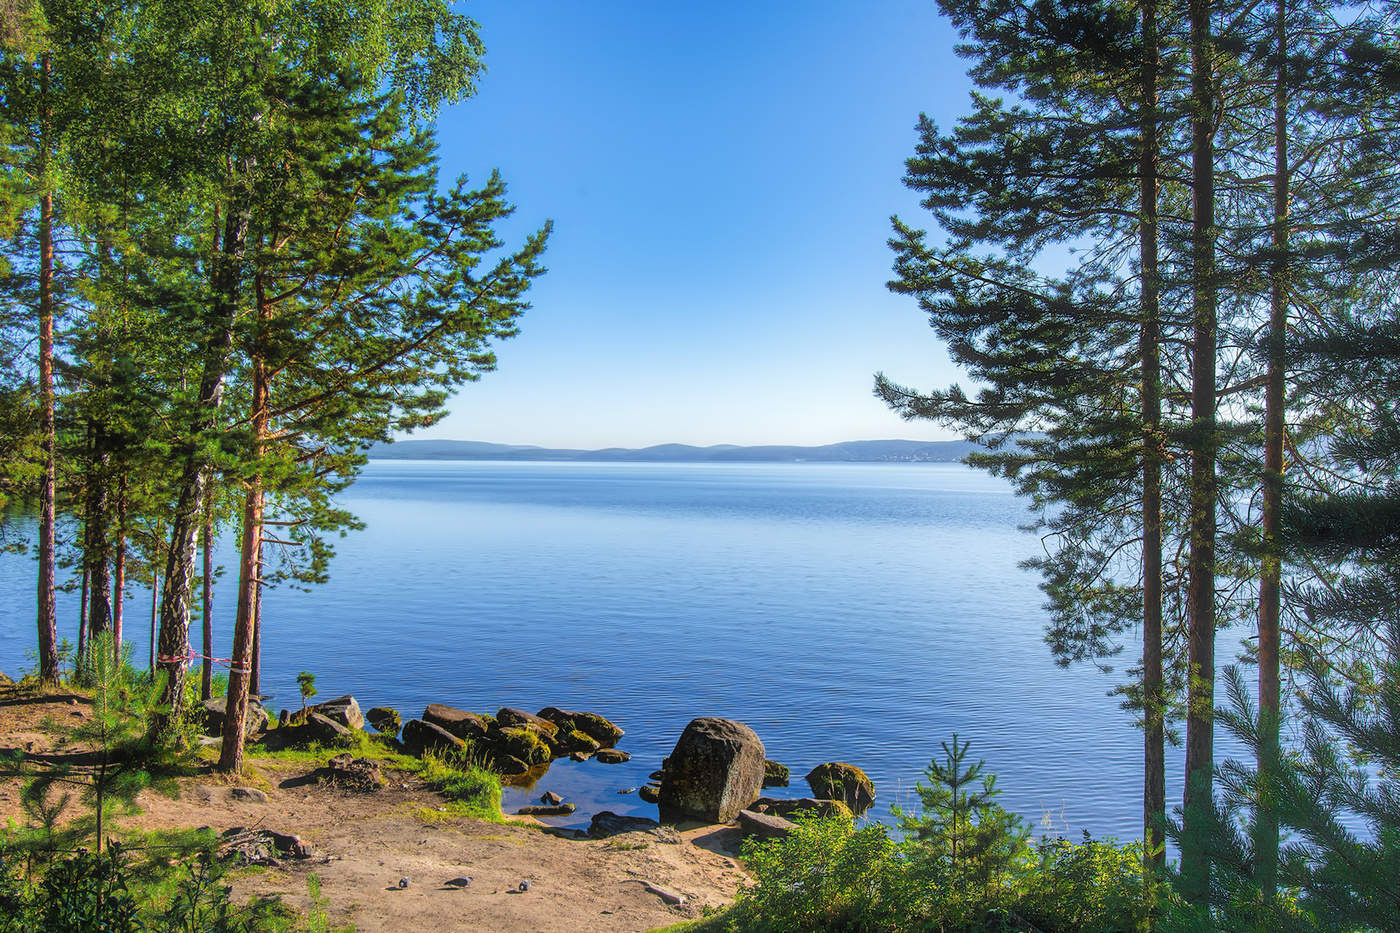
(306, 681)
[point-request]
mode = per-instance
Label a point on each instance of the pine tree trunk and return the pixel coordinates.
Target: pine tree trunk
(1266, 830)
(97, 547)
(1154, 791)
(249, 567)
(206, 675)
(47, 617)
(1200, 712)
(155, 604)
(255, 663)
(119, 571)
(83, 615)
(177, 595)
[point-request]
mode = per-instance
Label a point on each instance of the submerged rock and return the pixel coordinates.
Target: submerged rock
(612, 756)
(561, 809)
(715, 771)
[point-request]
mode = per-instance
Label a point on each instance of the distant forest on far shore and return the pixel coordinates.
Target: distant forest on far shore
(847, 451)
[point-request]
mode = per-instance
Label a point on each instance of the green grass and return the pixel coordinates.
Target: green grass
(471, 789)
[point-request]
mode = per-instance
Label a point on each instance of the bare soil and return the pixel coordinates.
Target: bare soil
(365, 843)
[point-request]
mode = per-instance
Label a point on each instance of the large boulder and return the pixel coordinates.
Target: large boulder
(715, 771)
(254, 722)
(420, 737)
(597, 728)
(837, 780)
(458, 722)
(343, 710)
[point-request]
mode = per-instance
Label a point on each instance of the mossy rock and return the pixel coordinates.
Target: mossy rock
(385, 719)
(774, 774)
(507, 717)
(596, 727)
(836, 780)
(524, 744)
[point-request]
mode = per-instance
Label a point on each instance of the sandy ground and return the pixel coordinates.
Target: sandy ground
(364, 843)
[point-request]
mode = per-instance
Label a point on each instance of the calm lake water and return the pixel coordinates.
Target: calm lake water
(856, 612)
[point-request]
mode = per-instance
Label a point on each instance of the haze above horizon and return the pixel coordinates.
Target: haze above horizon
(721, 180)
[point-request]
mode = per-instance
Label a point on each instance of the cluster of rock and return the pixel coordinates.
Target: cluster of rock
(514, 741)
(718, 769)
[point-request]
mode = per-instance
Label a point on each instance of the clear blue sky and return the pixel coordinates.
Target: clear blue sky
(721, 178)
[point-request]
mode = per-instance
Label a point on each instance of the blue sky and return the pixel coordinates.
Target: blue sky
(721, 178)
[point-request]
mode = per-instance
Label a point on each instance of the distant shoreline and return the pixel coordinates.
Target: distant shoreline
(888, 451)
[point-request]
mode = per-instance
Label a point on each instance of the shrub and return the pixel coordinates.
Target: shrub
(826, 875)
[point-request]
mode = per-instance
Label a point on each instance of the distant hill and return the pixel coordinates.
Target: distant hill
(848, 451)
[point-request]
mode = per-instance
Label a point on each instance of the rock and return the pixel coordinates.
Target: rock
(508, 716)
(656, 776)
(284, 719)
(262, 846)
(651, 793)
(612, 756)
(326, 731)
(249, 794)
(607, 823)
(575, 741)
(551, 798)
(666, 894)
(715, 771)
(458, 722)
(605, 733)
(803, 806)
(5, 680)
(837, 780)
(563, 809)
(420, 737)
(775, 775)
(522, 743)
(354, 773)
(254, 722)
(580, 756)
(385, 719)
(627, 790)
(764, 825)
(343, 710)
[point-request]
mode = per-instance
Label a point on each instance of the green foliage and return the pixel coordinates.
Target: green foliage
(306, 683)
(117, 892)
(826, 875)
(126, 758)
(963, 864)
(1092, 885)
(969, 842)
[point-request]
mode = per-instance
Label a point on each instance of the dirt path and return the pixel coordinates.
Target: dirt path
(364, 843)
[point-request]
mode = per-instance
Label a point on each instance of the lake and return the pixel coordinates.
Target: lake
(852, 612)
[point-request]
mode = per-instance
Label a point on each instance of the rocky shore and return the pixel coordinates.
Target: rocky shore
(715, 774)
